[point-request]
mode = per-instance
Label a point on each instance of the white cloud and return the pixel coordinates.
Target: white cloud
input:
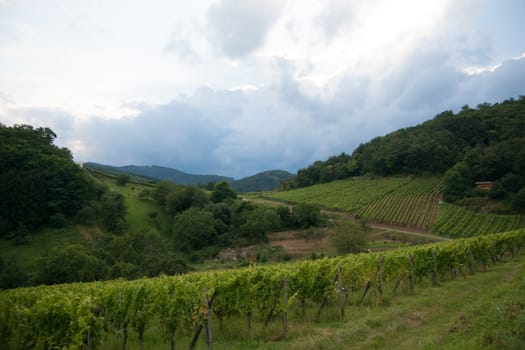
(235, 87)
(238, 27)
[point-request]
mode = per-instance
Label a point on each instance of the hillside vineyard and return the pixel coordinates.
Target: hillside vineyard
(78, 315)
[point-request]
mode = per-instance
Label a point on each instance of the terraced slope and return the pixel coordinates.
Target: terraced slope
(414, 204)
(347, 195)
(455, 222)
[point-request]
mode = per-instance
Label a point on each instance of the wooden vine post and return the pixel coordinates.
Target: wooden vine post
(198, 330)
(341, 291)
(325, 298)
(208, 319)
(285, 306)
(494, 255)
(470, 263)
(411, 276)
(380, 273)
(434, 272)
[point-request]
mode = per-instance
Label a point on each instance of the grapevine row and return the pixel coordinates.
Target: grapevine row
(455, 221)
(347, 195)
(414, 204)
(78, 315)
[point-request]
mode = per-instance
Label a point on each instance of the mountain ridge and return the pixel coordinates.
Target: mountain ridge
(263, 181)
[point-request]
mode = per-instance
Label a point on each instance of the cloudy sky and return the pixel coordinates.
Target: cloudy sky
(234, 87)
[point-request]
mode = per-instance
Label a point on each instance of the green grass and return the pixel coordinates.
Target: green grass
(137, 218)
(484, 311)
(41, 241)
(26, 255)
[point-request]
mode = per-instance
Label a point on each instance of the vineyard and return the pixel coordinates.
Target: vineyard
(455, 222)
(347, 195)
(81, 315)
(414, 204)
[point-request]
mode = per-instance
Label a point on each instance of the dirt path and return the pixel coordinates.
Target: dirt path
(89, 233)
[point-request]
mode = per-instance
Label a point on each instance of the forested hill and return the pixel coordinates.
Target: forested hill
(39, 182)
(486, 143)
(265, 181)
(161, 173)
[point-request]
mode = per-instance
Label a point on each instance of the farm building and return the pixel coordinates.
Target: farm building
(484, 185)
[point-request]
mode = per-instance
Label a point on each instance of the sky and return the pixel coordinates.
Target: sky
(236, 87)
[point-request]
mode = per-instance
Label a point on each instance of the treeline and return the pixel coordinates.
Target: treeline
(486, 143)
(39, 182)
(220, 219)
(41, 185)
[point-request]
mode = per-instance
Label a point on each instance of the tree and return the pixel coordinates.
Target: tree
(71, 263)
(349, 238)
(287, 219)
(307, 215)
(518, 201)
(457, 182)
(122, 179)
(259, 222)
(221, 192)
(193, 229)
(38, 180)
(113, 212)
(180, 198)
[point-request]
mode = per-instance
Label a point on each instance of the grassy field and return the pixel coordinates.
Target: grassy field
(27, 255)
(137, 218)
(484, 311)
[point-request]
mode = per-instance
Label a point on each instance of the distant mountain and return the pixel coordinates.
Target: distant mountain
(265, 181)
(161, 173)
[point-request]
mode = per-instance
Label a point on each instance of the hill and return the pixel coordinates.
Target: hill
(265, 181)
(160, 173)
(486, 143)
(39, 182)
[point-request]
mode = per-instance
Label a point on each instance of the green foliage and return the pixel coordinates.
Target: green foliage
(481, 144)
(307, 215)
(348, 195)
(265, 181)
(335, 168)
(349, 237)
(518, 202)
(458, 182)
(221, 192)
(258, 222)
(455, 221)
(113, 212)
(193, 229)
(413, 204)
(11, 275)
(122, 179)
(65, 315)
(39, 182)
(287, 219)
(179, 199)
(72, 263)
